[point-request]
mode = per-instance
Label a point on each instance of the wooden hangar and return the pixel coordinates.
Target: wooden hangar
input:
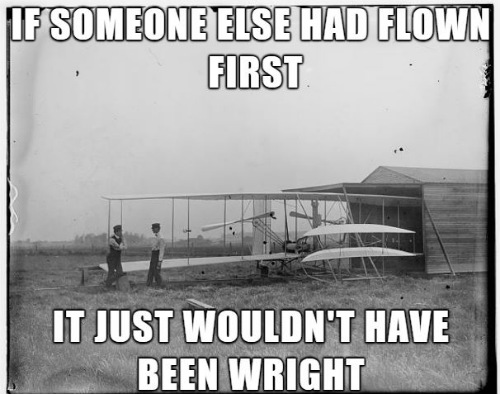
(449, 215)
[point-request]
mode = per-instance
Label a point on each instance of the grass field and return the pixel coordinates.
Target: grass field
(38, 365)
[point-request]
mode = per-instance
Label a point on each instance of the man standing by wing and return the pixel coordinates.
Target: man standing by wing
(114, 257)
(157, 251)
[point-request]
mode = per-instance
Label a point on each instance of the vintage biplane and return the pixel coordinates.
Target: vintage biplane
(288, 232)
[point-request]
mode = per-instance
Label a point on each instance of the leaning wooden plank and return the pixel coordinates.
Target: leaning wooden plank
(197, 261)
(195, 304)
(439, 239)
(366, 251)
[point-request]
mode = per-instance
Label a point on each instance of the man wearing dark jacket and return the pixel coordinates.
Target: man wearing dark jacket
(114, 257)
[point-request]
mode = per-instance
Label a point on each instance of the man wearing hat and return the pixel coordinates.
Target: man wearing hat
(114, 257)
(157, 250)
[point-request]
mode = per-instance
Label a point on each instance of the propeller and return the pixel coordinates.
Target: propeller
(219, 225)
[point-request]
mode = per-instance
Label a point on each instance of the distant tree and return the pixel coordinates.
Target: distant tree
(102, 238)
(78, 239)
(134, 239)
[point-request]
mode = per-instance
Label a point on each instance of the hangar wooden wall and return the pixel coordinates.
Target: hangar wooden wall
(459, 212)
(457, 201)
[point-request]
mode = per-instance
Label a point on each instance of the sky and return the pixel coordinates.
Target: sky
(90, 119)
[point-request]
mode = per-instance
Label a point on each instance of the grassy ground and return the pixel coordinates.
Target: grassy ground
(38, 365)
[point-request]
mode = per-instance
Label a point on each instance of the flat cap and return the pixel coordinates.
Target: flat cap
(155, 225)
(117, 227)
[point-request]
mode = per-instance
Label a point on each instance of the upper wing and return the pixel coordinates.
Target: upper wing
(306, 196)
(355, 228)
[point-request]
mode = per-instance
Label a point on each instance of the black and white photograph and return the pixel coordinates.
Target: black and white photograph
(239, 196)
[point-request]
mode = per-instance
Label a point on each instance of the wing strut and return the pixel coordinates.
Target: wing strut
(109, 221)
(287, 235)
(305, 212)
(296, 230)
(173, 217)
(225, 201)
(351, 219)
(324, 239)
(358, 238)
(242, 228)
(187, 232)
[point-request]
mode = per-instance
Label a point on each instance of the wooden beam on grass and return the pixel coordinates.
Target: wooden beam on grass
(195, 304)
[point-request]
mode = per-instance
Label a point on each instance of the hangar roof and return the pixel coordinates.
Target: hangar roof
(385, 174)
(400, 181)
